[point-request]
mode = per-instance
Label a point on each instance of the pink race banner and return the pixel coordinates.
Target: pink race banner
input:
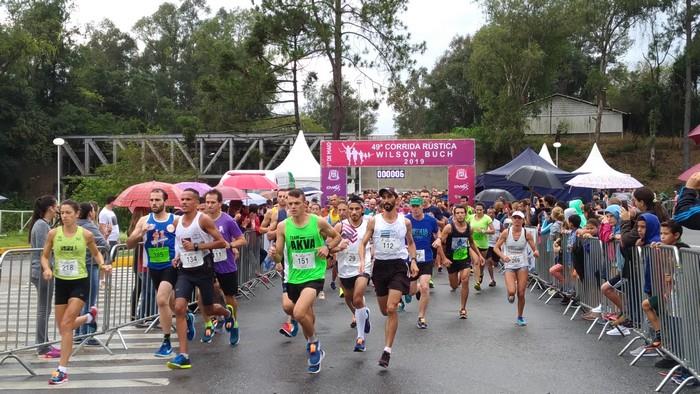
(461, 181)
(397, 153)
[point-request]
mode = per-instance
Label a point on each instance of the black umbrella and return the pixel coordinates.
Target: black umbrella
(494, 195)
(535, 176)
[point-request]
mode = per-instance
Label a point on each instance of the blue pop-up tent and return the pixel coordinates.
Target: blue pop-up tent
(497, 179)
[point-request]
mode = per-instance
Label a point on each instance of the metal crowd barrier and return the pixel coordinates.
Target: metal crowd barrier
(27, 310)
(675, 288)
(27, 306)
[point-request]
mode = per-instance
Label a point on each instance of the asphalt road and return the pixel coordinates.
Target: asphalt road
(486, 353)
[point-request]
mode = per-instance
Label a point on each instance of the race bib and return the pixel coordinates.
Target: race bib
(192, 259)
(304, 261)
(352, 258)
(159, 255)
(420, 255)
(516, 260)
(68, 268)
(460, 248)
(220, 255)
(388, 245)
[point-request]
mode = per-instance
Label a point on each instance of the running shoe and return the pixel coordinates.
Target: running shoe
(341, 293)
(93, 312)
(477, 286)
(619, 331)
(179, 362)
(317, 367)
(286, 330)
(219, 326)
(359, 345)
(234, 334)
(431, 284)
(402, 306)
(407, 298)
(511, 299)
(645, 350)
(333, 286)
(683, 377)
(92, 342)
(521, 322)
(418, 295)
(492, 284)
(228, 322)
(295, 328)
(165, 349)
(58, 377)
(598, 309)
(421, 323)
(462, 314)
(321, 295)
(191, 331)
(353, 323)
(313, 350)
(367, 325)
(208, 333)
(384, 359)
(52, 353)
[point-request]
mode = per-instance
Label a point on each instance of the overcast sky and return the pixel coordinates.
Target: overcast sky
(434, 21)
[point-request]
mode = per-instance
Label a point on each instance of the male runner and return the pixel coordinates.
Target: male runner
(429, 209)
(393, 244)
(225, 266)
(353, 281)
(460, 252)
(195, 238)
(157, 231)
(302, 235)
(425, 235)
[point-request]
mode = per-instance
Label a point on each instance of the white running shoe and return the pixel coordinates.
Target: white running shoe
(642, 349)
(622, 331)
(321, 295)
(598, 309)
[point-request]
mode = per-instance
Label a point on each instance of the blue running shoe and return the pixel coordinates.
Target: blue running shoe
(234, 336)
(191, 331)
(367, 325)
(58, 377)
(315, 353)
(229, 321)
(520, 321)
(402, 306)
(333, 286)
(295, 328)
(165, 350)
(219, 327)
(208, 334)
(316, 368)
(407, 298)
(359, 345)
(179, 362)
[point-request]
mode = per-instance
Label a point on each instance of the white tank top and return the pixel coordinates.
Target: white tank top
(349, 259)
(194, 234)
(389, 239)
(516, 250)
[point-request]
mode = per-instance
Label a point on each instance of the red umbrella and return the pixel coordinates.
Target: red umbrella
(138, 195)
(694, 134)
(690, 171)
(232, 193)
(249, 182)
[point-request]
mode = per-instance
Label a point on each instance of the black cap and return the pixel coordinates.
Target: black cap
(385, 190)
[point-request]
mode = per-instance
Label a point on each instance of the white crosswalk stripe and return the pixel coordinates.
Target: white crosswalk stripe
(93, 367)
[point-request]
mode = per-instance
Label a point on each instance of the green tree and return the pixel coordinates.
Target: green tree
(320, 102)
(366, 33)
(410, 103)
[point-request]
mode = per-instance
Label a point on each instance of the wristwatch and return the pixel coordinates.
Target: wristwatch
(414, 259)
(196, 246)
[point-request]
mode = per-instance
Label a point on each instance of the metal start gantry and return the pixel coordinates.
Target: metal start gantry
(211, 156)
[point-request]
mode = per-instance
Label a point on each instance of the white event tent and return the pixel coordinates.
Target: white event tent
(544, 153)
(595, 173)
(302, 164)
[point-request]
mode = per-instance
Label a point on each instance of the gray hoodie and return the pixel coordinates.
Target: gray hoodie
(99, 239)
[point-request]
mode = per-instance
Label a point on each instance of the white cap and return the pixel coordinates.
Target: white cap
(518, 213)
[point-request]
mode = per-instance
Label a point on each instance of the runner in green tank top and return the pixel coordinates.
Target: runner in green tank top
(303, 235)
(69, 244)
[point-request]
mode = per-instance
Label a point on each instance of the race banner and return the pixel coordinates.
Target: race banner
(461, 181)
(397, 153)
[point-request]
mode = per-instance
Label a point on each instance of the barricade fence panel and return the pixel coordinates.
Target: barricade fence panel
(688, 321)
